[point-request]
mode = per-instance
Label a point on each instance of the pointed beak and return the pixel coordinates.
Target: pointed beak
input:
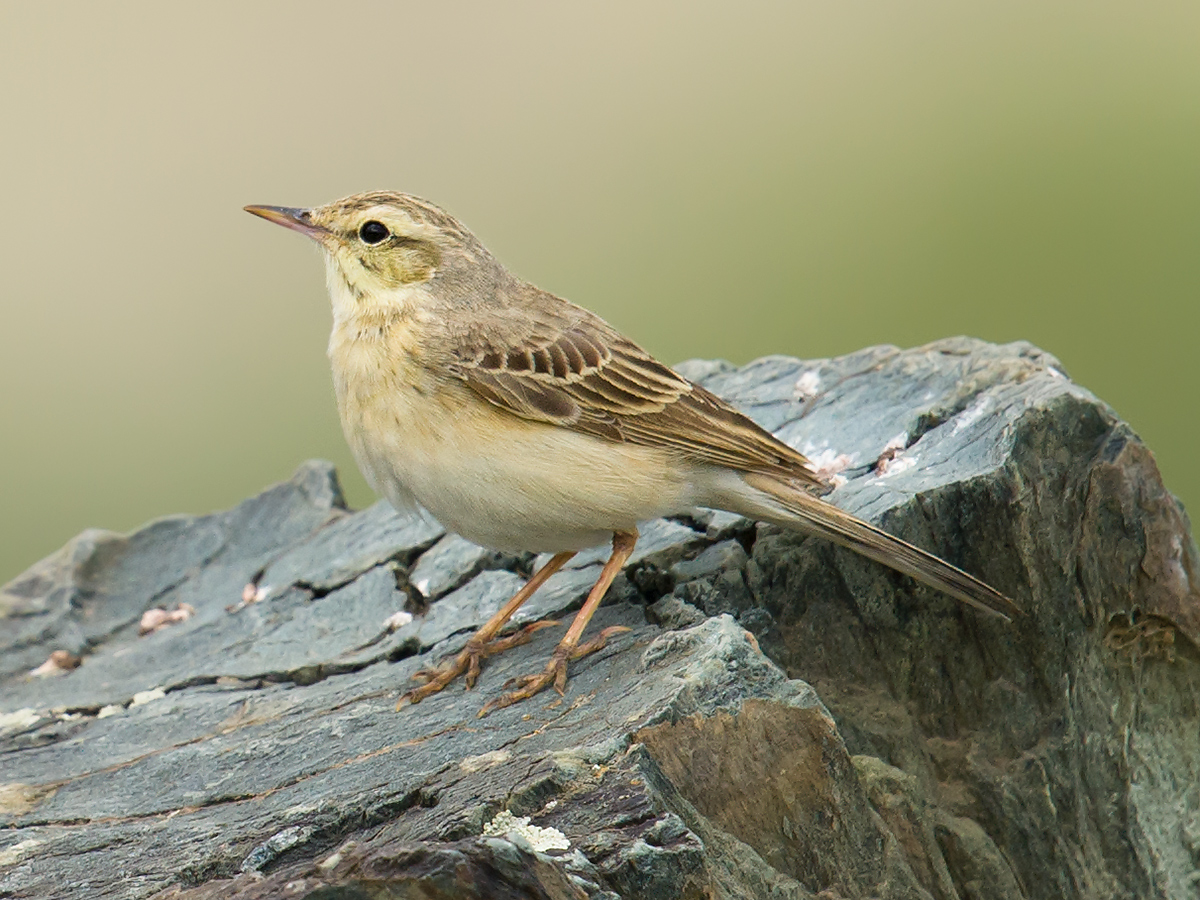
(295, 219)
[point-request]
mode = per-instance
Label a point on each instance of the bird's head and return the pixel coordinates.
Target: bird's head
(381, 245)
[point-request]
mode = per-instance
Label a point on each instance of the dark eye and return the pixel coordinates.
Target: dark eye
(373, 232)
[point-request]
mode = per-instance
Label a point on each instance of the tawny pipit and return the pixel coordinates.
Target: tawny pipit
(523, 422)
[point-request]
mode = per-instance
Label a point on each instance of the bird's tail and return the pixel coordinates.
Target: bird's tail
(779, 503)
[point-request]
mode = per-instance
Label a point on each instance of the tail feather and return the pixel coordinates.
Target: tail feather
(794, 508)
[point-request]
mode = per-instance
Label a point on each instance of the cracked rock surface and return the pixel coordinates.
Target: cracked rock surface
(782, 720)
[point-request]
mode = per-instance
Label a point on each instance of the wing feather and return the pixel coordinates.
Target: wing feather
(576, 372)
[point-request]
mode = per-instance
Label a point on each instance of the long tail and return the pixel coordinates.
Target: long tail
(794, 508)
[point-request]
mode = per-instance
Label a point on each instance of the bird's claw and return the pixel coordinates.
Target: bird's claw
(529, 685)
(598, 642)
(555, 672)
(468, 660)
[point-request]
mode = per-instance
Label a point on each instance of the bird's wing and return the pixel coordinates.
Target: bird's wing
(573, 370)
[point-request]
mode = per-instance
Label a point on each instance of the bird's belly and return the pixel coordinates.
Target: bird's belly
(511, 484)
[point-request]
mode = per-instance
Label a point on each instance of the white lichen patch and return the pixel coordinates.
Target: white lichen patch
(22, 718)
(484, 761)
(971, 414)
(807, 386)
(397, 620)
(336, 857)
(892, 459)
(541, 839)
(895, 465)
(10, 856)
(1174, 570)
(142, 697)
(824, 459)
(252, 593)
(828, 464)
(111, 710)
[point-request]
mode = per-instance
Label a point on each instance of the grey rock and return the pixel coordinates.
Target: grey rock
(724, 592)
(449, 564)
(674, 613)
(719, 525)
(467, 608)
(337, 554)
(304, 637)
(851, 733)
(89, 597)
(715, 580)
(714, 560)
(700, 369)
(756, 620)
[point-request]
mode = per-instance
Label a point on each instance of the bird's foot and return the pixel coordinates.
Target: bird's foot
(468, 660)
(555, 671)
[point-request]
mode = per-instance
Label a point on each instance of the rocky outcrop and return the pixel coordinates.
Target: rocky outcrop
(783, 719)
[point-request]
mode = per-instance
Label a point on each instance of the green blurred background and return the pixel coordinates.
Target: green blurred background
(715, 179)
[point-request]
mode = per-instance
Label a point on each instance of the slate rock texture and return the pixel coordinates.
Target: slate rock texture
(782, 719)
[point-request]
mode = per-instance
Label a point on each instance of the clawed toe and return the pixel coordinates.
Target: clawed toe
(516, 639)
(598, 642)
(467, 663)
(530, 685)
(555, 672)
(434, 679)
(428, 673)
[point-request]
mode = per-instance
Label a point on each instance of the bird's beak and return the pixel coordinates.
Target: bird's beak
(295, 219)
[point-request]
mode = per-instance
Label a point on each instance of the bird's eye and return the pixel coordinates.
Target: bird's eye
(373, 232)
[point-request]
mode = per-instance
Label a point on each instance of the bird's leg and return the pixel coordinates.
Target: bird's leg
(483, 643)
(569, 647)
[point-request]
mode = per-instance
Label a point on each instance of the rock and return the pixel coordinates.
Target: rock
(449, 564)
(782, 720)
(715, 581)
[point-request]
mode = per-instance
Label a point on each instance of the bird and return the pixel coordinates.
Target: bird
(526, 423)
